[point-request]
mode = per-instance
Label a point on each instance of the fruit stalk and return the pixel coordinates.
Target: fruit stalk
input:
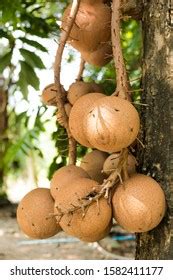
(121, 74)
(81, 69)
(57, 70)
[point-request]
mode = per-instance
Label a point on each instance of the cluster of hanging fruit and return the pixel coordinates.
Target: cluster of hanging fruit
(84, 200)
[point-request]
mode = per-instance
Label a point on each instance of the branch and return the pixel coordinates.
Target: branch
(121, 74)
(58, 59)
(81, 69)
(57, 70)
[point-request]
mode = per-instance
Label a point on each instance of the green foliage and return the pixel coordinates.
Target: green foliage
(32, 59)
(5, 60)
(23, 23)
(33, 43)
(61, 143)
(29, 75)
(24, 140)
(28, 16)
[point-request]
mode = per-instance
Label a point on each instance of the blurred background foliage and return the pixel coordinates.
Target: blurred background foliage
(23, 26)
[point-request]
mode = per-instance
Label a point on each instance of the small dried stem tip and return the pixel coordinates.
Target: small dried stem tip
(122, 89)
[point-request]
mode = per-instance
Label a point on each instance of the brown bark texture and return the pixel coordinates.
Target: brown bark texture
(156, 159)
(132, 8)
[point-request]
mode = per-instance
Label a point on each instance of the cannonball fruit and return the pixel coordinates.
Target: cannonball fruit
(64, 176)
(97, 236)
(92, 163)
(33, 214)
(92, 26)
(80, 88)
(111, 163)
(139, 204)
(92, 222)
(111, 124)
(100, 57)
(76, 116)
(49, 95)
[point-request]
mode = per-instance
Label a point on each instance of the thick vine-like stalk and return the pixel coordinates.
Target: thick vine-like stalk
(121, 74)
(57, 71)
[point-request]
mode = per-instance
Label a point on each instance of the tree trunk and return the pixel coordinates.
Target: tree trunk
(156, 159)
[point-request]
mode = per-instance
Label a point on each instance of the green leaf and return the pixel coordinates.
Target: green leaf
(11, 152)
(54, 166)
(5, 61)
(32, 59)
(34, 44)
(23, 84)
(21, 116)
(3, 34)
(8, 9)
(29, 75)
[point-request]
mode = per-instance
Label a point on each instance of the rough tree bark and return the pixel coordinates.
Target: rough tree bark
(157, 121)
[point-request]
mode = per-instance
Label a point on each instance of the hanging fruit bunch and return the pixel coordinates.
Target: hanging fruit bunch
(83, 201)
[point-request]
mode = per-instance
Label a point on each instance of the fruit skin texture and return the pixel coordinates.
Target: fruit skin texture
(92, 26)
(97, 219)
(49, 95)
(139, 204)
(111, 163)
(82, 105)
(64, 176)
(92, 163)
(100, 57)
(32, 214)
(111, 124)
(97, 236)
(80, 88)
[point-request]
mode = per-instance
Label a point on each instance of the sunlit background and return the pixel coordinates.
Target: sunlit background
(36, 172)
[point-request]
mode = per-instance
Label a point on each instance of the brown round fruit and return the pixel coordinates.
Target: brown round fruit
(64, 176)
(111, 164)
(111, 124)
(99, 57)
(96, 87)
(87, 225)
(33, 214)
(92, 26)
(139, 204)
(97, 236)
(82, 105)
(92, 163)
(49, 95)
(80, 88)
